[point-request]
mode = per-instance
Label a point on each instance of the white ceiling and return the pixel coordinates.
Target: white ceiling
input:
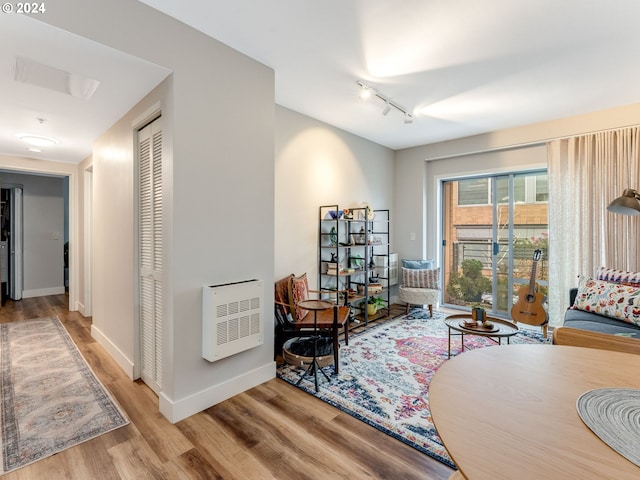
(74, 122)
(462, 67)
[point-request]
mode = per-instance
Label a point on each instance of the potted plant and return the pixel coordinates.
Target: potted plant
(374, 304)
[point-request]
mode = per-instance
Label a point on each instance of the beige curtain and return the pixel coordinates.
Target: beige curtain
(585, 174)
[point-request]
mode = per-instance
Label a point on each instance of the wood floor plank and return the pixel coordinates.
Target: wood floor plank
(192, 465)
(136, 459)
(273, 431)
(220, 449)
(164, 438)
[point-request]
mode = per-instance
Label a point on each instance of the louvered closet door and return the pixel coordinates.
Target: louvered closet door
(150, 253)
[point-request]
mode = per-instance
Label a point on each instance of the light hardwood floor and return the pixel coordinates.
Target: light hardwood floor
(273, 431)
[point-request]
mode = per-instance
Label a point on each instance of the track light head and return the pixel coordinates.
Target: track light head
(366, 92)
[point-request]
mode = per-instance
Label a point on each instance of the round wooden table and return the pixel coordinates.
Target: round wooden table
(503, 329)
(510, 412)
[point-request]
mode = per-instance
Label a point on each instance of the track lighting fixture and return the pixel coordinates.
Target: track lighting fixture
(367, 91)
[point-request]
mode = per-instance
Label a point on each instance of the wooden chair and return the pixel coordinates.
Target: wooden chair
(292, 321)
(604, 341)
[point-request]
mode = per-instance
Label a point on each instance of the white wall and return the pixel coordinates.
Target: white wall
(515, 148)
(421, 179)
(43, 229)
(113, 233)
(419, 169)
(317, 164)
(218, 113)
(84, 302)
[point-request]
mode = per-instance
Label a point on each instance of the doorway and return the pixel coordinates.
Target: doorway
(11, 233)
(492, 225)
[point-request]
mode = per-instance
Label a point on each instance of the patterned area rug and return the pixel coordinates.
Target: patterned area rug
(385, 373)
(51, 400)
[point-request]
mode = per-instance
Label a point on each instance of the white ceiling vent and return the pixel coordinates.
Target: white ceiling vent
(35, 73)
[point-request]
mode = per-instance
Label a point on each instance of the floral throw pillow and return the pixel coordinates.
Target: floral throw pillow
(613, 300)
(421, 278)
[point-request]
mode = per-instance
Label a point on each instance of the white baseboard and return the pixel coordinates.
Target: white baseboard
(120, 358)
(42, 292)
(175, 411)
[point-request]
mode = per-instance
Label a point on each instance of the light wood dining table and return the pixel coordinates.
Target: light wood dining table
(510, 412)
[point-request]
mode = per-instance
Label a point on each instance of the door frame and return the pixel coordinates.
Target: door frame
(33, 166)
(492, 178)
(148, 116)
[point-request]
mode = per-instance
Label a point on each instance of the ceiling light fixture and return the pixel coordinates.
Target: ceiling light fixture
(37, 140)
(366, 91)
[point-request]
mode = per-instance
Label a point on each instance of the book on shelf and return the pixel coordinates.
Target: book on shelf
(334, 269)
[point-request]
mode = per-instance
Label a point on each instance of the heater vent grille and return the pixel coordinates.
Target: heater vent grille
(232, 319)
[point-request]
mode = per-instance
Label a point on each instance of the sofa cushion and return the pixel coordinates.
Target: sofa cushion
(421, 278)
(621, 302)
(618, 276)
(597, 323)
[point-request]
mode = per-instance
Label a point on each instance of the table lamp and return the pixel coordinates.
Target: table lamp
(627, 204)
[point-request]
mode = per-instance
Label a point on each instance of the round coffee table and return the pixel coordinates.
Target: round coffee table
(502, 329)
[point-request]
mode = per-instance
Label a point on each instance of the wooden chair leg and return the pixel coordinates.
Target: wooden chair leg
(407, 312)
(544, 329)
(431, 311)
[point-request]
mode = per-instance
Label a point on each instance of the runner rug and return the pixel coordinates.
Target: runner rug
(51, 400)
(385, 373)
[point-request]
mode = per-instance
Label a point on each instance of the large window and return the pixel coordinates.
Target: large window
(526, 189)
(491, 227)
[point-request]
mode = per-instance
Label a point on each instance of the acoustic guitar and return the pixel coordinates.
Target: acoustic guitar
(529, 308)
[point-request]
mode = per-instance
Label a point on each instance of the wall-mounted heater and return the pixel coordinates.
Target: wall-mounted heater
(232, 318)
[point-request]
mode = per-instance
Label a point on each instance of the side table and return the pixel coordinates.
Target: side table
(503, 329)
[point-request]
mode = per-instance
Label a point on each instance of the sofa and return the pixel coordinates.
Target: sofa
(607, 303)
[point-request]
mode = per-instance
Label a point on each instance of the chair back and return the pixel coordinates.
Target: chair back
(283, 308)
(428, 278)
